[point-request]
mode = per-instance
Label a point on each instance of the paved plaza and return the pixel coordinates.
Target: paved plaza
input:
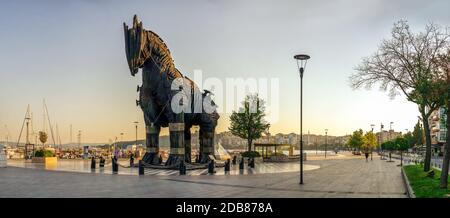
(347, 177)
(84, 166)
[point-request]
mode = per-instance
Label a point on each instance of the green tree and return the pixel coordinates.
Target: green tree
(409, 137)
(406, 64)
(356, 140)
(401, 144)
(417, 134)
(369, 142)
(249, 122)
(388, 146)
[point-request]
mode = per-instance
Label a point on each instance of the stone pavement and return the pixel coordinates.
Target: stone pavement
(335, 178)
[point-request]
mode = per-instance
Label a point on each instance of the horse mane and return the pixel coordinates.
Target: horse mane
(161, 55)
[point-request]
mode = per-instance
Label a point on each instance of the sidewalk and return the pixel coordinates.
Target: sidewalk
(335, 178)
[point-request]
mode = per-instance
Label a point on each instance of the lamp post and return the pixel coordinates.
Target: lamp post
(136, 126)
(380, 137)
(371, 150)
(302, 59)
(390, 130)
(326, 142)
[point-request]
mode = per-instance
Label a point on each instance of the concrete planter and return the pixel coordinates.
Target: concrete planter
(45, 160)
(409, 191)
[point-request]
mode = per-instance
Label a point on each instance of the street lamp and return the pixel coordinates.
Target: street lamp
(380, 137)
(302, 59)
(371, 150)
(136, 125)
(390, 130)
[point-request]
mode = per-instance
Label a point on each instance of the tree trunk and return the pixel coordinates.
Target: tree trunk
(426, 127)
(445, 164)
(401, 158)
(249, 143)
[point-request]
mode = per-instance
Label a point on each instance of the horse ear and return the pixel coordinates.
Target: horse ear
(135, 21)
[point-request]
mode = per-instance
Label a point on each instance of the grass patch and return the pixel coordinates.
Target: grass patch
(423, 186)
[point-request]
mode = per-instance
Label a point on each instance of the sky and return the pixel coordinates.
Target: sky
(72, 54)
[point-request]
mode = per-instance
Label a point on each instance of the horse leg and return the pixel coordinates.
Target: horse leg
(152, 130)
(176, 128)
(187, 145)
(207, 129)
(152, 144)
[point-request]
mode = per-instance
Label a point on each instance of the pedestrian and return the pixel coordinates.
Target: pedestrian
(367, 156)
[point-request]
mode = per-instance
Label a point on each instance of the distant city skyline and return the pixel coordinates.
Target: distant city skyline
(72, 54)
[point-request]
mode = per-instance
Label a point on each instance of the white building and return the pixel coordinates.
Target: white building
(437, 122)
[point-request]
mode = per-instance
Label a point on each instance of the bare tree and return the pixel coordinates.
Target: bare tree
(406, 64)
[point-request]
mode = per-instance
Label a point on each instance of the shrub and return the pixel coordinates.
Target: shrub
(250, 154)
(43, 153)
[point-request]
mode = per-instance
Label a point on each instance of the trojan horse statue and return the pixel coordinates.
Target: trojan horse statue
(163, 93)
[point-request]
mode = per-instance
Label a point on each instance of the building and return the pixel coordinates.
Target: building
(385, 135)
(438, 129)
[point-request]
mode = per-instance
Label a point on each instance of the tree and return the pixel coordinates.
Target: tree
(417, 134)
(389, 146)
(43, 137)
(409, 138)
(369, 142)
(356, 140)
(406, 64)
(249, 122)
(401, 144)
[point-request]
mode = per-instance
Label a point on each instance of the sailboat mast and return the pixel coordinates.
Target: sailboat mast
(49, 124)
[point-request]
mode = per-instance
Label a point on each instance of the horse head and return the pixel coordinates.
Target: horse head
(135, 40)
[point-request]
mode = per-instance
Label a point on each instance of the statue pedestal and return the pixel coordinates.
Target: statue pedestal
(175, 160)
(151, 158)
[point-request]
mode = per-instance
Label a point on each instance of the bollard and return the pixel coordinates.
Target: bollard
(93, 163)
(197, 159)
(234, 160)
(102, 162)
(241, 164)
(211, 167)
(131, 161)
(182, 168)
(227, 166)
(115, 165)
(141, 168)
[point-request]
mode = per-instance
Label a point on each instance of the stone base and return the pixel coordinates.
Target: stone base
(174, 160)
(151, 158)
(204, 158)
